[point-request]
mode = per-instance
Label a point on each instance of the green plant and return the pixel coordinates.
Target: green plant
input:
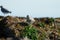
(51, 20)
(30, 32)
(41, 24)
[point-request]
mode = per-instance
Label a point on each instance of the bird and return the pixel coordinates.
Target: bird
(4, 11)
(30, 20)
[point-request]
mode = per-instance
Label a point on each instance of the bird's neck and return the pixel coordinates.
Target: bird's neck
(1, 7)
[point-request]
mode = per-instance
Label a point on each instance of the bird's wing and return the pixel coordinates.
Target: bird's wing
(5, 10)
(32, 19)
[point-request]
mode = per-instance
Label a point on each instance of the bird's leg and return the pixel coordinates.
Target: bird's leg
(4, 15)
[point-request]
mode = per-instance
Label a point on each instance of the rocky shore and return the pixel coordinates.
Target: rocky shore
(12, 27)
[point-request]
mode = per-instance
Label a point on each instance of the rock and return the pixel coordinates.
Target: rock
(25, 38)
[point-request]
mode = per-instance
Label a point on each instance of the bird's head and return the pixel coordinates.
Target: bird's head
(1, 6)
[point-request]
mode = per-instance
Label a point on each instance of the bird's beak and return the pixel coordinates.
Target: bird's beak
(0, 6)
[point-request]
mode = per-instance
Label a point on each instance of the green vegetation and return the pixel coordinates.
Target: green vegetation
(30, 32)
(51, 20)
(41, 24)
